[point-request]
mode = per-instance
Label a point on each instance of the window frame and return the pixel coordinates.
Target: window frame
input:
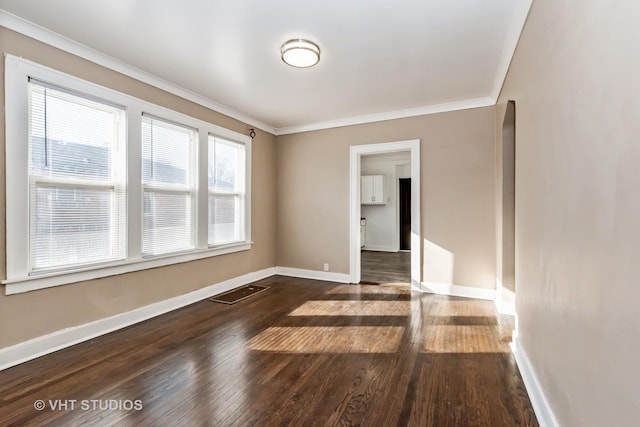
(239, 194)
(189, 188)
(19, 277)
(116, 182)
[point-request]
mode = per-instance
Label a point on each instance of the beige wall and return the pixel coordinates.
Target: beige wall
(36, 313)
(505, 200)
(458, 210)
(575, 79)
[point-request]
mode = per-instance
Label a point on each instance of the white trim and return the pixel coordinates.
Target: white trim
(507, 308)
(42, 281)
(20, 278)
(31, 349)
(355, 154)
(541, 406)
(458, 291)
(505, 301)
(66, 44)
(389, 115)
(51, 38)
(313, 274)
(518, 19)
(16, 88)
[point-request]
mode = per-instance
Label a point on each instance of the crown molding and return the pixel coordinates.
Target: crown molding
(49, 37)
(518, 19)
(389, 115)
(39, 33)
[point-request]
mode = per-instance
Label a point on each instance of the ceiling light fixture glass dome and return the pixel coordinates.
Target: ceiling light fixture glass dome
(300, 53)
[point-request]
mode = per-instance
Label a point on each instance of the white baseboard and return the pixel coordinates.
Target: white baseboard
(508, 308)
(540, 404)
(31, 349)
(314, 274)
(458, 291)
(506, 301)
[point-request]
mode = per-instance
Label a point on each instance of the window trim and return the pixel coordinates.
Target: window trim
(189, 188)
(115, 184)
(18, 276)
(242, 195)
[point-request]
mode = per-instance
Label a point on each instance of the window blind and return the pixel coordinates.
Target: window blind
(168, 186)
(99, 182)
(76, 179)
(226, 181)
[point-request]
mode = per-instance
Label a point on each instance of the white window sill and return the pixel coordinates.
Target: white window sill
(47, 280)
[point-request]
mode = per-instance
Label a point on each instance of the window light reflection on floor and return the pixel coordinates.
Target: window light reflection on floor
(329, 339)
(353, 308)
(472, 308)
(384, 288)
(465, 339)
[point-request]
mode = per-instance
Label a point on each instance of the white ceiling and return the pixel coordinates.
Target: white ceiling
(380, 59)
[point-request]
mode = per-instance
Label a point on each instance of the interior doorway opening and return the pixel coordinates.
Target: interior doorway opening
(383, 177)
(376, 221)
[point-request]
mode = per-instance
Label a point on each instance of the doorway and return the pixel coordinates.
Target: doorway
(356, 154)
(382, 261)
(404, 214)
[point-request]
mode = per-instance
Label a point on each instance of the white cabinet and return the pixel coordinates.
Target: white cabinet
(372, 190)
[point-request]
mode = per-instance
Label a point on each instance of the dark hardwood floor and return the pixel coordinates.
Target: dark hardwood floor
(302, 353)
(385, 267)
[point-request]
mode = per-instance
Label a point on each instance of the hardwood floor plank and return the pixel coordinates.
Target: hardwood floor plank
(304, 352)
(385, 267)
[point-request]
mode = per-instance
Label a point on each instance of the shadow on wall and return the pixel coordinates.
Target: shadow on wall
(438, 264)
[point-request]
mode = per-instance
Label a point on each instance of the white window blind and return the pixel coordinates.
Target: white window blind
(76, 179)
(227, 191)
(168, 186)
(101, 183)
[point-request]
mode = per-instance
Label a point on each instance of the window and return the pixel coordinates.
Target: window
(226, 191)
(76, 186)
(168, 187)
(101, 183)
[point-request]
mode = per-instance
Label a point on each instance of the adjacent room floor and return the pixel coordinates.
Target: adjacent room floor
(385, 267)
(304, 352)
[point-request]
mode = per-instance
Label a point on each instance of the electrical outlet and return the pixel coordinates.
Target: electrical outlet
(326, 266)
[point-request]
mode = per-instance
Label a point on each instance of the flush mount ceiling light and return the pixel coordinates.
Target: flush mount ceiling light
(300, 53)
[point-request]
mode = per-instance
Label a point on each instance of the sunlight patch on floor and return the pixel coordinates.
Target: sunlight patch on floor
(330, 339)
(386, 288)
(464, 339)
(463, 308)
(353, 308)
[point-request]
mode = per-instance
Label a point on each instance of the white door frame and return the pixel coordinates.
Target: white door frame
(356, 153)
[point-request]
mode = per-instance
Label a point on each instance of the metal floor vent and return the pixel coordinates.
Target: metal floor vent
(235, 295)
